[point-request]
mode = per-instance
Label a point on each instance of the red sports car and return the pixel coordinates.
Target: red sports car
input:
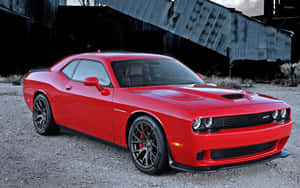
(159, 109)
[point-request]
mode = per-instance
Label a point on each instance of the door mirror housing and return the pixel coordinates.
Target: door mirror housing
(93, 81)
(200, 76)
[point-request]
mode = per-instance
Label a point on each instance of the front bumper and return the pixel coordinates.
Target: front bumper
(208, 169)
(186, 152)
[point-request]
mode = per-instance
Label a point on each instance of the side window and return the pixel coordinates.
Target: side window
(88, 68)
(68, 70)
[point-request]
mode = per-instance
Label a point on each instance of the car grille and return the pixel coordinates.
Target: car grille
(240, 121)
(241, 151)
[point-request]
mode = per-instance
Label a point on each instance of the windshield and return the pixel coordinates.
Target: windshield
(153, 72)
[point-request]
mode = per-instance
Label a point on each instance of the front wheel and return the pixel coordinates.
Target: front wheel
(42, 116)
(147, 145)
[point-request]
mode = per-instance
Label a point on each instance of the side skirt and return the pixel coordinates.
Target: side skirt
(79, 133)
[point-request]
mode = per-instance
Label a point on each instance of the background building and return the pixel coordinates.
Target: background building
(284, 14)
(27, 32)
(210, 38)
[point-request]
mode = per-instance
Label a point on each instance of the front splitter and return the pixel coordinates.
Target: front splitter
(210, 169)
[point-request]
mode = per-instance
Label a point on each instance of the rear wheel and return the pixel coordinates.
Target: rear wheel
(42, 116)
(147, 145)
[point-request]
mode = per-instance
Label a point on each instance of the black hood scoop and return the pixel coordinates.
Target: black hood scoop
(233, 96)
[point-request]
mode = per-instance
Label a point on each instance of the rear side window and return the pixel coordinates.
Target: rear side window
(88, 68)
(68, 71)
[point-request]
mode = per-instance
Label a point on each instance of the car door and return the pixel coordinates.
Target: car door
(89, 111)
(63, 103)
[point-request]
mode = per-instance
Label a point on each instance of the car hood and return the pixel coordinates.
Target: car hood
(196, 97)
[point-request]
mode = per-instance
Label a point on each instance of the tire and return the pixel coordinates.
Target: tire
(147, 146)
(42, 116)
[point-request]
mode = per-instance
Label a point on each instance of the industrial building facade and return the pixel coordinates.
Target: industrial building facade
(284, 14)
(27, 31)
(191, 30)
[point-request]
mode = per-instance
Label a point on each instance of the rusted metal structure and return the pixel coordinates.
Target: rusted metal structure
(63, 2)
(223, 30)
(42, 11)
(284, 14)
(28, 29)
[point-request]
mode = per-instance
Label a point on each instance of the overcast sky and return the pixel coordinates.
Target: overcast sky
(248, 7)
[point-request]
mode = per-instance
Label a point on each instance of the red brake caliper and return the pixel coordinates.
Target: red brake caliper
(142, 138)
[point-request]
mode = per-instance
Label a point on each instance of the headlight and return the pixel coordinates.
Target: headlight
(208, 122)
(202, 124)
(197, 124)
(275, 114)
(283, 113)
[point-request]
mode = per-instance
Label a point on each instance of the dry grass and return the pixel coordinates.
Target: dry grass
(15, 79)
(227, 82)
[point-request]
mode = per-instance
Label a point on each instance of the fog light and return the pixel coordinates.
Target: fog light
(275, 114)
(283, 113)
(199, 156)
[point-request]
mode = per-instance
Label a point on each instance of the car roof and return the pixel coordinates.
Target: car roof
(120, 55)
(106, 57)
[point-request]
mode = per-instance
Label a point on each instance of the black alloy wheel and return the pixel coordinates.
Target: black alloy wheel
(147, 145)
(42, 116)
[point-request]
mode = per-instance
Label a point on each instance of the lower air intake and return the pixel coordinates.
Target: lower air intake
(241, 151)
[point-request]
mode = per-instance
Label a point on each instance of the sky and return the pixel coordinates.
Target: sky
(248, 7)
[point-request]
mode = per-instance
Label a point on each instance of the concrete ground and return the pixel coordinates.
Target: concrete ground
(66, 160)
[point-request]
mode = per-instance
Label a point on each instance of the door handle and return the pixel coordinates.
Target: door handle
(68, 87)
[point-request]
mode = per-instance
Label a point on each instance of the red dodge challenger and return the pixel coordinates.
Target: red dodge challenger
(164, 113)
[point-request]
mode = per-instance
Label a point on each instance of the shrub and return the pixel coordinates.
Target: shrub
(15, 79)
(291, 71)
(227, 82)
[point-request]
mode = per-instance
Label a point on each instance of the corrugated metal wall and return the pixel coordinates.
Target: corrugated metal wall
(42, 11)
(28, 25)
(220, 29)
(16, 6)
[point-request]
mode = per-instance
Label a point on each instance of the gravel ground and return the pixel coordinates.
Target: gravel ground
(66, 160)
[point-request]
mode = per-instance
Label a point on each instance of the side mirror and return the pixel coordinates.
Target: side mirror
(93, 81)
(200, 76)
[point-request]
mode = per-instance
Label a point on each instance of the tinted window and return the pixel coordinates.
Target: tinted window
(69, 69)
(88, 68)
(150, 72)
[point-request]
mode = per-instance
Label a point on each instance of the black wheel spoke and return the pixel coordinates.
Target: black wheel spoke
(40, 114)
(39, 117)
(140, 151)
(145, 158)
(37, 107)
(141, 130)
(154, 146)
(151, 157)
(40, 105)
(139, 140)
(144, 144)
